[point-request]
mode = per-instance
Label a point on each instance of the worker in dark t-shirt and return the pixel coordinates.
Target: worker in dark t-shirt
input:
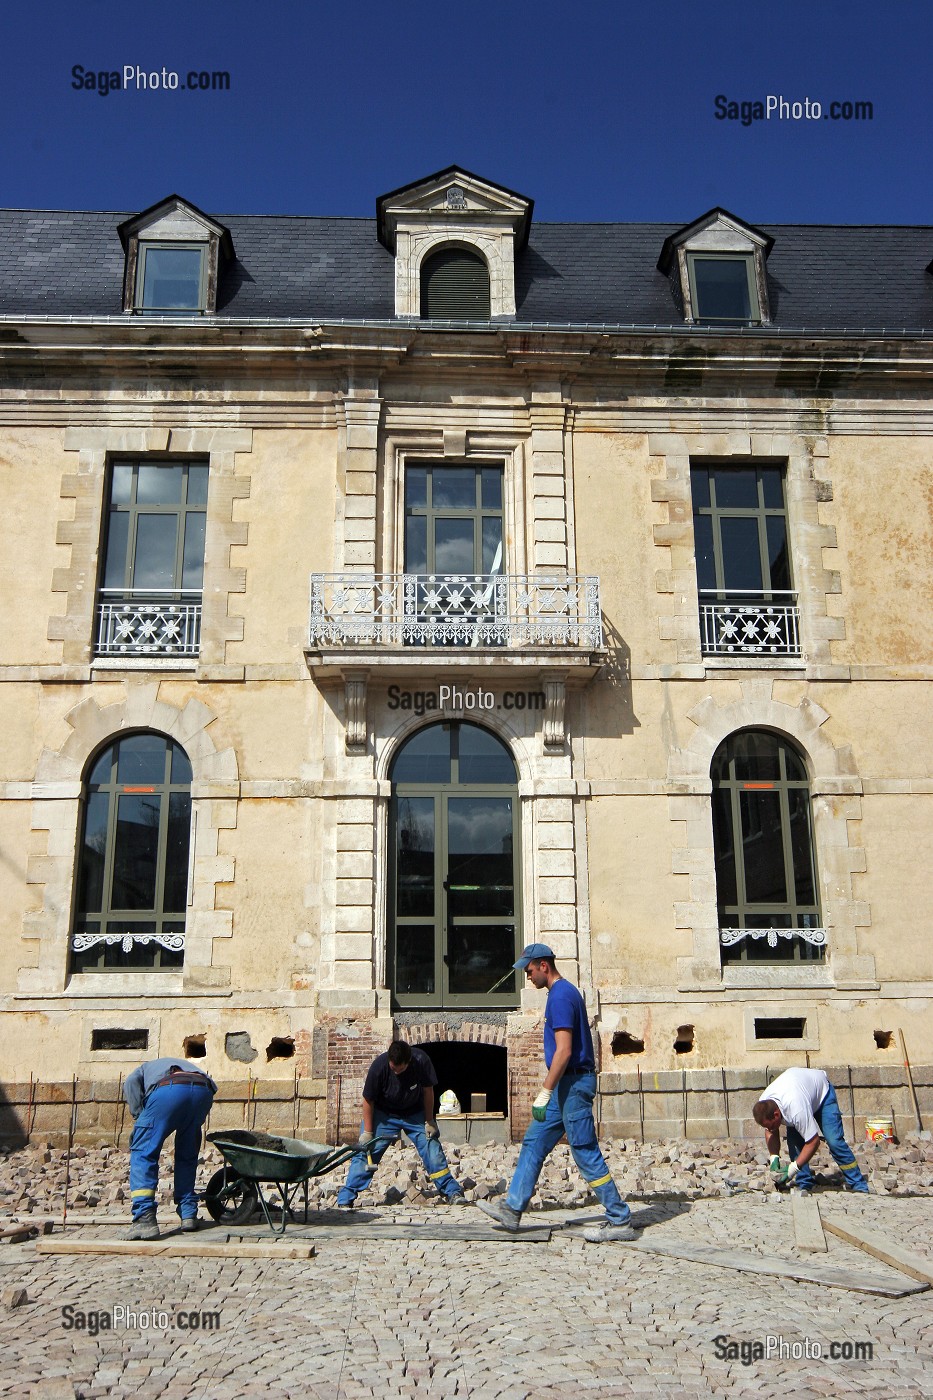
(398, 1097)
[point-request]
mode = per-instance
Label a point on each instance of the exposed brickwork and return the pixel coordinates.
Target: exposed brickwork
(526, 1073)
(352, 1045)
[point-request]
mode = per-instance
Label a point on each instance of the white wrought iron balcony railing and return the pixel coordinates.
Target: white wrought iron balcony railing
(456, 610)
(148, 622)
(749, 623)
(729, 937)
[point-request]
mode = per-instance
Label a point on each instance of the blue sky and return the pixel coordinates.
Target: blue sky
(598, 110)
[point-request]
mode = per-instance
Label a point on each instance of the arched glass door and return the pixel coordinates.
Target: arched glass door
(454, 921)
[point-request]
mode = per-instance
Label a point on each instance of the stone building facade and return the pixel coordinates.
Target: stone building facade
(383, 595)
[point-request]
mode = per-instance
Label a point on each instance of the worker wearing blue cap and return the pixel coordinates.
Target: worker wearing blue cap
(564, 1105)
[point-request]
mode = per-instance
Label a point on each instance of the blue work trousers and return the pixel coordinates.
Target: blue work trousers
(829, 1120)
(570, 1111)
(171, 1108)
(387, 1128)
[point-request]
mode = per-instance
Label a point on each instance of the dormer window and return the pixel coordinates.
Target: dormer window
(175, 255)
(170, 277)
(454, 286)
(717, 268)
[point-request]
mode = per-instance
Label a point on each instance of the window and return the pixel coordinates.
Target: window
(747, 602)
(454, 543)
(765, 867)
(723, 288)
(132, 875)
(454, 286)
(453, 913)
(153, 560)
(170, 277)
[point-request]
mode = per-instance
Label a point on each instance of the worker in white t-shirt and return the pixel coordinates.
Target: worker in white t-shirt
(805, 1102)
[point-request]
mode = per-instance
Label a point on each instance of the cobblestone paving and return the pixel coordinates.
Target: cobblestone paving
(514, 1321)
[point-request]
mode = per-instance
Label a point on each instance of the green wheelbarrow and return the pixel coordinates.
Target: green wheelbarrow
(253, 1161)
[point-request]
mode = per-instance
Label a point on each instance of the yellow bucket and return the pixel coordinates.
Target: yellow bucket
(879, 1129)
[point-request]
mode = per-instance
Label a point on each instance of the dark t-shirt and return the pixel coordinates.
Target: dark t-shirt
(399, 1093)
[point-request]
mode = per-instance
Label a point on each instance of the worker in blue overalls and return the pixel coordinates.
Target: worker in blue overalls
(165, 1096)
(398, 1097)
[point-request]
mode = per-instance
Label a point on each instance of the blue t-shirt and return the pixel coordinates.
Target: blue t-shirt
(566, 1011)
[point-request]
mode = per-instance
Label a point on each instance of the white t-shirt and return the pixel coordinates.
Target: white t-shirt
(798, 1093)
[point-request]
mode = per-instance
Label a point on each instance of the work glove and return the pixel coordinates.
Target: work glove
(366, 1137)
(539, 1107)
(784, 1177)
(775, 1164)
(432, 1130)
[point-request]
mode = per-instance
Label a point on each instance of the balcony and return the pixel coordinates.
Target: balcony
(749, 624)
(148, 622)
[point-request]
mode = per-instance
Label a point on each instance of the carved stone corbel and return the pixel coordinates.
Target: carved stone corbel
(357, 730)
(555, 699)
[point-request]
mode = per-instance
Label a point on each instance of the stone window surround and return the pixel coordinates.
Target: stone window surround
(56, 810)
(82, 529)
(836, 802)
(495, 246)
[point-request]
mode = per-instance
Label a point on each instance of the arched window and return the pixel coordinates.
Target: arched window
(454, 286)
(454, 921)
(766, 884)
(132, 871)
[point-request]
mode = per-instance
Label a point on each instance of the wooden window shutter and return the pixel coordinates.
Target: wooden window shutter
(454, 286)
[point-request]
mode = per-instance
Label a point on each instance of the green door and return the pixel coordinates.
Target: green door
(454, 925)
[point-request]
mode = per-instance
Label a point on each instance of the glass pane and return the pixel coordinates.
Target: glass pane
(414, 959)
(118, 528)
(416, 487)
(159, 486)
(121, 485)
(93, 854)
(763, 850)
(425, 758)
(778, 558)
(723, 843)
(741, 554)
(492, 544)
(756, 756)
(453, 488)
(176, 853)
(801, 845)
(136, 851)
(736, 489)
(722, 288)
(415, 856)
(454, 549)
(416, 545)
(156, 546)
(772, 485)
(101, 771)
(483, 758)
(794, 769)
(142, 760)
(478, 956)
(479, 856)
(181, 768)
(193, 567)
(699, 486)
(703, 543)
(492, 488)
(172, 280)
(197, 486)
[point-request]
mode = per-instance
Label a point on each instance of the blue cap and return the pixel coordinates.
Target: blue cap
(531, 953)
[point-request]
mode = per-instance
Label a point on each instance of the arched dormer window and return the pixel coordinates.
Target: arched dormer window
(454, 286)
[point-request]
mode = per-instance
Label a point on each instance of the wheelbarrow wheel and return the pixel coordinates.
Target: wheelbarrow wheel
(231, 1199)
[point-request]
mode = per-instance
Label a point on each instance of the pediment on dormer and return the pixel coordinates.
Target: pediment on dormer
(176, 220)
(456, 194)
(716, 231)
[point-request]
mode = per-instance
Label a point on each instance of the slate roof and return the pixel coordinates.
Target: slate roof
(821, 277)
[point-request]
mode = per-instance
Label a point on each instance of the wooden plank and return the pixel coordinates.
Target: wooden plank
(187, 1249)
(882, 1248)
(808, 1228)
(465, 1234)
(779, 1268)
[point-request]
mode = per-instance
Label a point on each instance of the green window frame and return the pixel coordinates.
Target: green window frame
(740, 529)
(457, 512)
(455, 286)
(706, 263)
(131, 881)
(766, 871)
(153, 272)
(156, 524)
(454, 887)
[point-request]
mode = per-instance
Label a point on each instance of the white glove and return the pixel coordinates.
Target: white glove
(539, 1107)
(775, 1164)
(366, 1137)
(432, 1131)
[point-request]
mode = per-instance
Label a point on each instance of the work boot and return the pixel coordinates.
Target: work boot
(607, 1233)
(145, 1227)
(346, 1205)
(457, 1198)
(502, 1214)
(190, 1222)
